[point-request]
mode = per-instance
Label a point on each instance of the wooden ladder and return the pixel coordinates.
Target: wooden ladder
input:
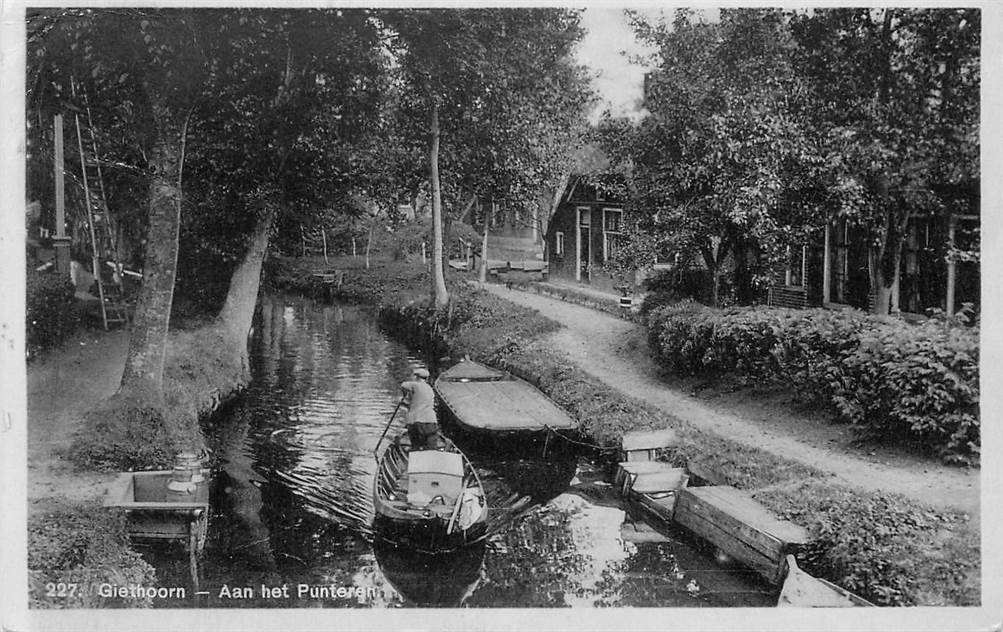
(114, 308)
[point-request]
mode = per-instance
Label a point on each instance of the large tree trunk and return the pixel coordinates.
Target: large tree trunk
(237, 314)
(144, 366)
(439, 293)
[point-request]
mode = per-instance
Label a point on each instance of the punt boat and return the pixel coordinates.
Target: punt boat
(801, 590)
(489, 408)
(428, 500)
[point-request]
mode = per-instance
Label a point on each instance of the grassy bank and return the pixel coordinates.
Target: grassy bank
(889, 549)
(199, 373)
(73, 539)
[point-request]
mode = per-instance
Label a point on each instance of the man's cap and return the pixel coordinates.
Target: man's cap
(420, 372)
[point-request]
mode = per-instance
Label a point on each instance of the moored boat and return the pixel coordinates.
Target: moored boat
(428, 500)
(801, 590)
(490, 408)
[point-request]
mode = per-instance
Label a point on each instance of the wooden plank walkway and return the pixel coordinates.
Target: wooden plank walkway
(740, 527)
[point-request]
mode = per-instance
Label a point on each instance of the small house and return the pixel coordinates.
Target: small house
(584, 232)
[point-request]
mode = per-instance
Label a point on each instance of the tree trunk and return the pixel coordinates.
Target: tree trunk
(369, 241)
(323, 236)
(483, 274)
(237, 314)
(144, 365)
(439, 293)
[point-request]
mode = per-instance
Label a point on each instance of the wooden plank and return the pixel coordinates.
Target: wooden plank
(725, 519)
(737, 506)
(670, 479)
(739, 526)
(769, 567)
(648, 439)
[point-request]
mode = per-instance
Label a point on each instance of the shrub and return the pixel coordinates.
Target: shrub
(84, 544)
(879, 545)
(51, 313)
(916, 381)
(889, 379)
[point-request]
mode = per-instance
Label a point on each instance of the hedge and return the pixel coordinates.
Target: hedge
(890, 379)
(51, 314)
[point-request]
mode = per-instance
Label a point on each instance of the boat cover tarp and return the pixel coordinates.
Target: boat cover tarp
(503, 405)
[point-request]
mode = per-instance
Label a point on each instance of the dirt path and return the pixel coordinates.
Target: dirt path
(615, 351)
(61, 385)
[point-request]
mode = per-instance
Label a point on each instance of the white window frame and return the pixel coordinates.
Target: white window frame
(559, 245)
(606, 233)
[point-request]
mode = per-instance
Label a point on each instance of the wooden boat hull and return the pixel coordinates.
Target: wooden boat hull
(801, 590)
(410, 513)
(490, 410)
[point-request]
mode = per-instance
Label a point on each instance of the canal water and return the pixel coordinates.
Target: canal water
(292, 505)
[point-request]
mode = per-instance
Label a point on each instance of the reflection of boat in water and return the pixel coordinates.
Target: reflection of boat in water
(429, 500)
(539, 480)
(424, 579)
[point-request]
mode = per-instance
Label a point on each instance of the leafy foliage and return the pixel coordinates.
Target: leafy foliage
(83, 544)
(872, 544)
(51, 314)
(889, 379)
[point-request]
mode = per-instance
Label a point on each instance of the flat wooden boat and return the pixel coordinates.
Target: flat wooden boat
(484, 403)
(428, 500)
(801, 590)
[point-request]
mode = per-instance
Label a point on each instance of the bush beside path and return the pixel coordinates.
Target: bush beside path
(614, 351)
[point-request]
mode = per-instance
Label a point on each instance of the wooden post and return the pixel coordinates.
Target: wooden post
(323, 236)
(578, 244)
(827, 266)
(61, 241)
(951, 267)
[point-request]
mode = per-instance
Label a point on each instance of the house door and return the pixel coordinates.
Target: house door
(584, 241)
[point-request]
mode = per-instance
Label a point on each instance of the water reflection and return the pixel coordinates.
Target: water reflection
(445, 579)
(293, 502)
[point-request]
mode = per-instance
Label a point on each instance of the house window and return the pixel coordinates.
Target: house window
(612, 221)
(559, 246)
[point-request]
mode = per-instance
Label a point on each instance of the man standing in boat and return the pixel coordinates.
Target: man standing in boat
(422, 425)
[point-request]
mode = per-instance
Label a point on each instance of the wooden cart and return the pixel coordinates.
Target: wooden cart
(157, 513)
